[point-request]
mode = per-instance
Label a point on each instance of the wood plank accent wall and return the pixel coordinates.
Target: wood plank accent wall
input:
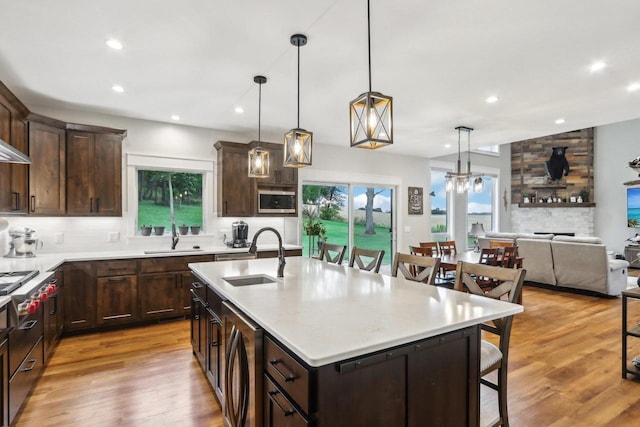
(528, 158)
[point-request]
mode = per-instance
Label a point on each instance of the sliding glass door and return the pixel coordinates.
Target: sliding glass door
(348, 214)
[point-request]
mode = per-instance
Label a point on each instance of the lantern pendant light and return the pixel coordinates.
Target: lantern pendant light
(259, 157)
(459, 181)
(371, 113)
(298, 143)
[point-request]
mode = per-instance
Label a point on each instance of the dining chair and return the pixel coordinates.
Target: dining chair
(421, 251)
(509, 254)
(415, 267)
(366, 259)
(494, 357)
(499, 244)
(332, 253)
(432, 245)
(489, 256)
(447, 247)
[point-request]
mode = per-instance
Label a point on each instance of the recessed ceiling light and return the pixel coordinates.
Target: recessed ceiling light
(492, 99)
(239, 110)
(114, 44)
(175, 117)
(447, 145)
(597, 66)
(633, 87)
(117, 88)
(560, 121)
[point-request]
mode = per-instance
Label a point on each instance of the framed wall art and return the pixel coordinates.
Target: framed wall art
(415, 201)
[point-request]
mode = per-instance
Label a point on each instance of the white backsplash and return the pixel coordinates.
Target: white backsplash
(553, 220)
(79, 234)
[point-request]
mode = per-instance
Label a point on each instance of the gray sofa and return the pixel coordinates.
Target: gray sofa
(571, 262)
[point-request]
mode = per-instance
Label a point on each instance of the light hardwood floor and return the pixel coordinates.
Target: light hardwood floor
(564, 370)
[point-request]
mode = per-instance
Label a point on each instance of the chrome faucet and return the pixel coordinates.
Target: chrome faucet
(281, 262)
(174, 236)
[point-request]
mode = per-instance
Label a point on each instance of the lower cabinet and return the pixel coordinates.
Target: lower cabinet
(161, 295)
(117, 300)
(215, 353)
(278, 409)
(80, 296)
(25, 378)
(53, 313)
(4, 381)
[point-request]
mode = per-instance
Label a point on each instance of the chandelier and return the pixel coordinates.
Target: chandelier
(458, 180)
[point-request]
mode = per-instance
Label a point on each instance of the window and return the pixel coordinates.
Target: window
(480, 207)
(439, 217)
(154, 201)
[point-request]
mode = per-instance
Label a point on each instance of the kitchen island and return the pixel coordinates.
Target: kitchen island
(343, 346)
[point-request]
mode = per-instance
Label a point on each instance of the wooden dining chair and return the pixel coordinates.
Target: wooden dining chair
(509, 254)
(489, 256)
(499, 244)
(447, 248)
(420, 251)
(415, 267)
(494, 357)
(366, 259)
(332, 253)
(432, 245)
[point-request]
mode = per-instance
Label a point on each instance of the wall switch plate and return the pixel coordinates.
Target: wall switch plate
(113, 236)
(58, 238)
(407, 229)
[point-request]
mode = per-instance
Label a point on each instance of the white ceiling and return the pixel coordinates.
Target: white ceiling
(439, 59)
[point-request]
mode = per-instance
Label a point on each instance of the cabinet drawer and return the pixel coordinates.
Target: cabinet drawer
(175, 263)
(117, 268)
(290, 375)
(278, 410)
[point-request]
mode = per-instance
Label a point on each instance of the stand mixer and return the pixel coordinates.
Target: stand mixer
(23, 244)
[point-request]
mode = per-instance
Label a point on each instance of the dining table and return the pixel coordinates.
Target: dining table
(450, 261)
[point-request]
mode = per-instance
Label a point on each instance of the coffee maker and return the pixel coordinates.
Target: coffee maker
(240, 231)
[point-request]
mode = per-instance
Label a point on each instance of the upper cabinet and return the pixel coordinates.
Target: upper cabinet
(13, 131)
(237, 193)
(47, 169)
(235, 189)
(94, 173)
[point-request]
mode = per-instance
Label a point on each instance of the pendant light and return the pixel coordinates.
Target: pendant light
(298, 142)
(371, 113)
(259, 157)
(459, 181)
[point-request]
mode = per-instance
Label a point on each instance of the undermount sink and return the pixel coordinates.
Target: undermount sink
(255, 279)
(171, 251)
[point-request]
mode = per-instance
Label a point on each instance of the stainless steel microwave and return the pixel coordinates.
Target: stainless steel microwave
(273, 201)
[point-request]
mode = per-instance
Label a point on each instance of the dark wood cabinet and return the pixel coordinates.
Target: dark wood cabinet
(279, 175)
(117, 300)
(186, 291)
(236, 191)
(47, 170)
(429, 382)
(79, 296)
(94, 174)
(160, 295)
(13, 176)
(4, 381)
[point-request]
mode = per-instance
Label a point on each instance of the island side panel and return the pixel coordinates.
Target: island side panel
(429, 382)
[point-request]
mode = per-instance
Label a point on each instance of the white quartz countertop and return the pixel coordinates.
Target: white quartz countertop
(48, 262)
(326, 313)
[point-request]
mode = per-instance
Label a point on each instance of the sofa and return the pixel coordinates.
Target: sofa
(566, 261)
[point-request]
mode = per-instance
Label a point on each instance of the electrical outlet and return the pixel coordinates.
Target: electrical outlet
(58, 238)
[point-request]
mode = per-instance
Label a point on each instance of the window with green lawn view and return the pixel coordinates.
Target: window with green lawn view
(155, 191)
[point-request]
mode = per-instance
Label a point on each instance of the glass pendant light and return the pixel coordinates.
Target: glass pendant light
(258, 156)
(371, 113)
(298, 143)
(460, 181)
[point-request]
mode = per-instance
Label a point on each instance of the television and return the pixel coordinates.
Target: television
(633, 207)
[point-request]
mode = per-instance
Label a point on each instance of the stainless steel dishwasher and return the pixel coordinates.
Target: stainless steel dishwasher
(243, 391)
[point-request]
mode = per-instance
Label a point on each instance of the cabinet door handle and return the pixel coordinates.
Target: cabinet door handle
(54, 309)
(225, 207)
(33, 203)
(91, 205)
(29, 325)
(33, 365)
(272, 396)
(97, 204)
(196, 285)
(286, 378)
(16, 201)
(117, 279)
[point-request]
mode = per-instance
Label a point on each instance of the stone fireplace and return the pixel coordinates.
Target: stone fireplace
(578, 220)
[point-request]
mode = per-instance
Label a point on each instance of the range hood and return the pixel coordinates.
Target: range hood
(9, 154)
